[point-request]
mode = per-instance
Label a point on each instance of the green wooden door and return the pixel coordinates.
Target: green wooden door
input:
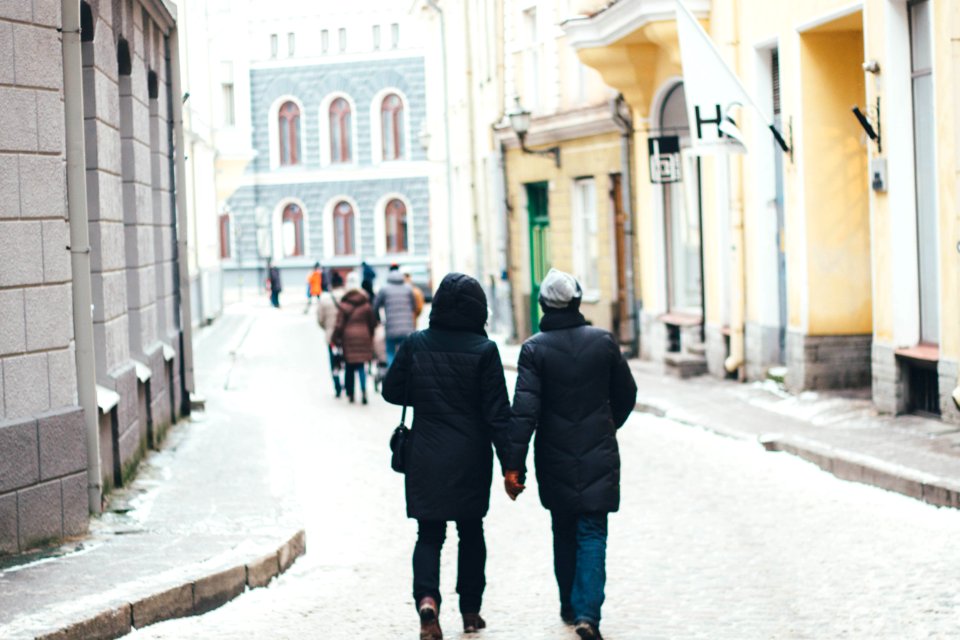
(539, 246)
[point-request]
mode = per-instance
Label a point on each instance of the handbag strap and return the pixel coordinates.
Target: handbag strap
(406, 387)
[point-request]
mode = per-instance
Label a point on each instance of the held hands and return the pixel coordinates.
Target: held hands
(512, 485)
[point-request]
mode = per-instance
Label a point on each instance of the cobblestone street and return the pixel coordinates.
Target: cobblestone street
(716, 537)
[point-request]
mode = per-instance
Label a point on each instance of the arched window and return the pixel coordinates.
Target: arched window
(289, 121)
(340, 147)
(395, 216)
(343, 229)
(291, 231)
(224, 235)
(391, 123)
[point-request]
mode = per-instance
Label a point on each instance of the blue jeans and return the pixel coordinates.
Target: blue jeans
(579, 561)
(392, 345)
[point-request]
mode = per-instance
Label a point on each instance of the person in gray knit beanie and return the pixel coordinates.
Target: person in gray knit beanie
(559, 289)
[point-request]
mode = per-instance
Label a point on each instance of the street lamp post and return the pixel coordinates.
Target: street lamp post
(520, 123)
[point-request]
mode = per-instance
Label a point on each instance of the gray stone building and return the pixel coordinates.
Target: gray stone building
(338, 173)
(89, 220)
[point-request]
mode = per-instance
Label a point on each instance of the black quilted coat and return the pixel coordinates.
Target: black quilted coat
(575, 389)
(456, 387)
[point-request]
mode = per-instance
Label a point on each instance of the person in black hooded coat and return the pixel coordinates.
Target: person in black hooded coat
(452, 376)
(575, 389)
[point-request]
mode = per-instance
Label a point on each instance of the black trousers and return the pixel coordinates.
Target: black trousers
(471, 562)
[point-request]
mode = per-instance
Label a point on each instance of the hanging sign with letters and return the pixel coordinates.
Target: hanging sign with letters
(664, 159)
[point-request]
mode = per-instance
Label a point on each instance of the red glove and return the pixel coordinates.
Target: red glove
(511, 483)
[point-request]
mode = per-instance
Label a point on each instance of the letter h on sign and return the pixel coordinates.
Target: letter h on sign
(702, 121)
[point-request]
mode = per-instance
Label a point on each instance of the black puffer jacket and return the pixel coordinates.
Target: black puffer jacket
(575, 388)
(456, 387)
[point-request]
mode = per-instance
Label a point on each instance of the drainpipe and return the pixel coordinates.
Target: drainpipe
(446, 130)
(618, 107)
(738, 308)
(80, 244)
(508, 243)
(180, 226)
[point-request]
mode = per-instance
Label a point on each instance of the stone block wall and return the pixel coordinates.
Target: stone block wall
(43, 457)
(126, 110)
(762, 350)
(828, 362)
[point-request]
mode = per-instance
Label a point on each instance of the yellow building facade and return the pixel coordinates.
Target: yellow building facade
(566, 187)
(836, 264)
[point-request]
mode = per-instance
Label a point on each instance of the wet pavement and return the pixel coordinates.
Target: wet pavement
(717, 538)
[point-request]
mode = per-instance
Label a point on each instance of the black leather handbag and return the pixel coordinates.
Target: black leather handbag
(398, 444)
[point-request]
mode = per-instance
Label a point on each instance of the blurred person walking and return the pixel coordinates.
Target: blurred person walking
(327, 311)
(356, 322)
(575, 388)
(314, 285)
(396, 299)
(418, 298)
(273, 283)
(369, 275)
(452, 377)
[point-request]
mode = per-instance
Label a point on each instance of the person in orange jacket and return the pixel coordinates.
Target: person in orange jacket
(314, 285)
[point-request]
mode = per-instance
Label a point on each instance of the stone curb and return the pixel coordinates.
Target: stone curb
(196, 597)
(843, 464)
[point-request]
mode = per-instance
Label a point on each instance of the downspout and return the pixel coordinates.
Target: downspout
(446, 130)
(625, 124)
(80, 244)
(738, 307)
(181, 274)
(508, 243)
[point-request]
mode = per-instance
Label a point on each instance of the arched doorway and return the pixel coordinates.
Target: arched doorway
(682, 213)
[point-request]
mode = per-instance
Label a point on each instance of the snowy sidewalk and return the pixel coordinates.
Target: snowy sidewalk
(843, 433)
(205, 519)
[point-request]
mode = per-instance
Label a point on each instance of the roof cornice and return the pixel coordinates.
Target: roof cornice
(624, 17)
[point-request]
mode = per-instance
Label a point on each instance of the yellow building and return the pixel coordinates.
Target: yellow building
(839, 260)
(567, 197)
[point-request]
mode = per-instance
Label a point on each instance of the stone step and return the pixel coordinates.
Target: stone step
(685, 365)
(696, 348)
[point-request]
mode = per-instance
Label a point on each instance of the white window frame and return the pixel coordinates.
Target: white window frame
(380, 226)
(329, 245)
(376, 126)
(324, 115)
(586, 240)
(273, 129)
(277, 227)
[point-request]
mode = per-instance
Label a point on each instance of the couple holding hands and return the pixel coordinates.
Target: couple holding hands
(574, 388)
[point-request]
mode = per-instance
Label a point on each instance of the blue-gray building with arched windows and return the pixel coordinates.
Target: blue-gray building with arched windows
(338, 175)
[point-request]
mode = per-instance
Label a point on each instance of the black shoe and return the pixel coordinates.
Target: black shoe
(472, 622)
(566, 615)
(364, 398)
(587, 631)
(352, 400)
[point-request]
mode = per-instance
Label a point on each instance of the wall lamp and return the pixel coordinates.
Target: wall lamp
(520, 123)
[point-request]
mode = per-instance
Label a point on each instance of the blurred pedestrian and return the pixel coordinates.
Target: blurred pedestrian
(369, 275)
(314, 285)
(273, 283)
(452, 378)
(575, 388)
(356, 322)
(327, 311)
(398, 303)
(418, 299)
